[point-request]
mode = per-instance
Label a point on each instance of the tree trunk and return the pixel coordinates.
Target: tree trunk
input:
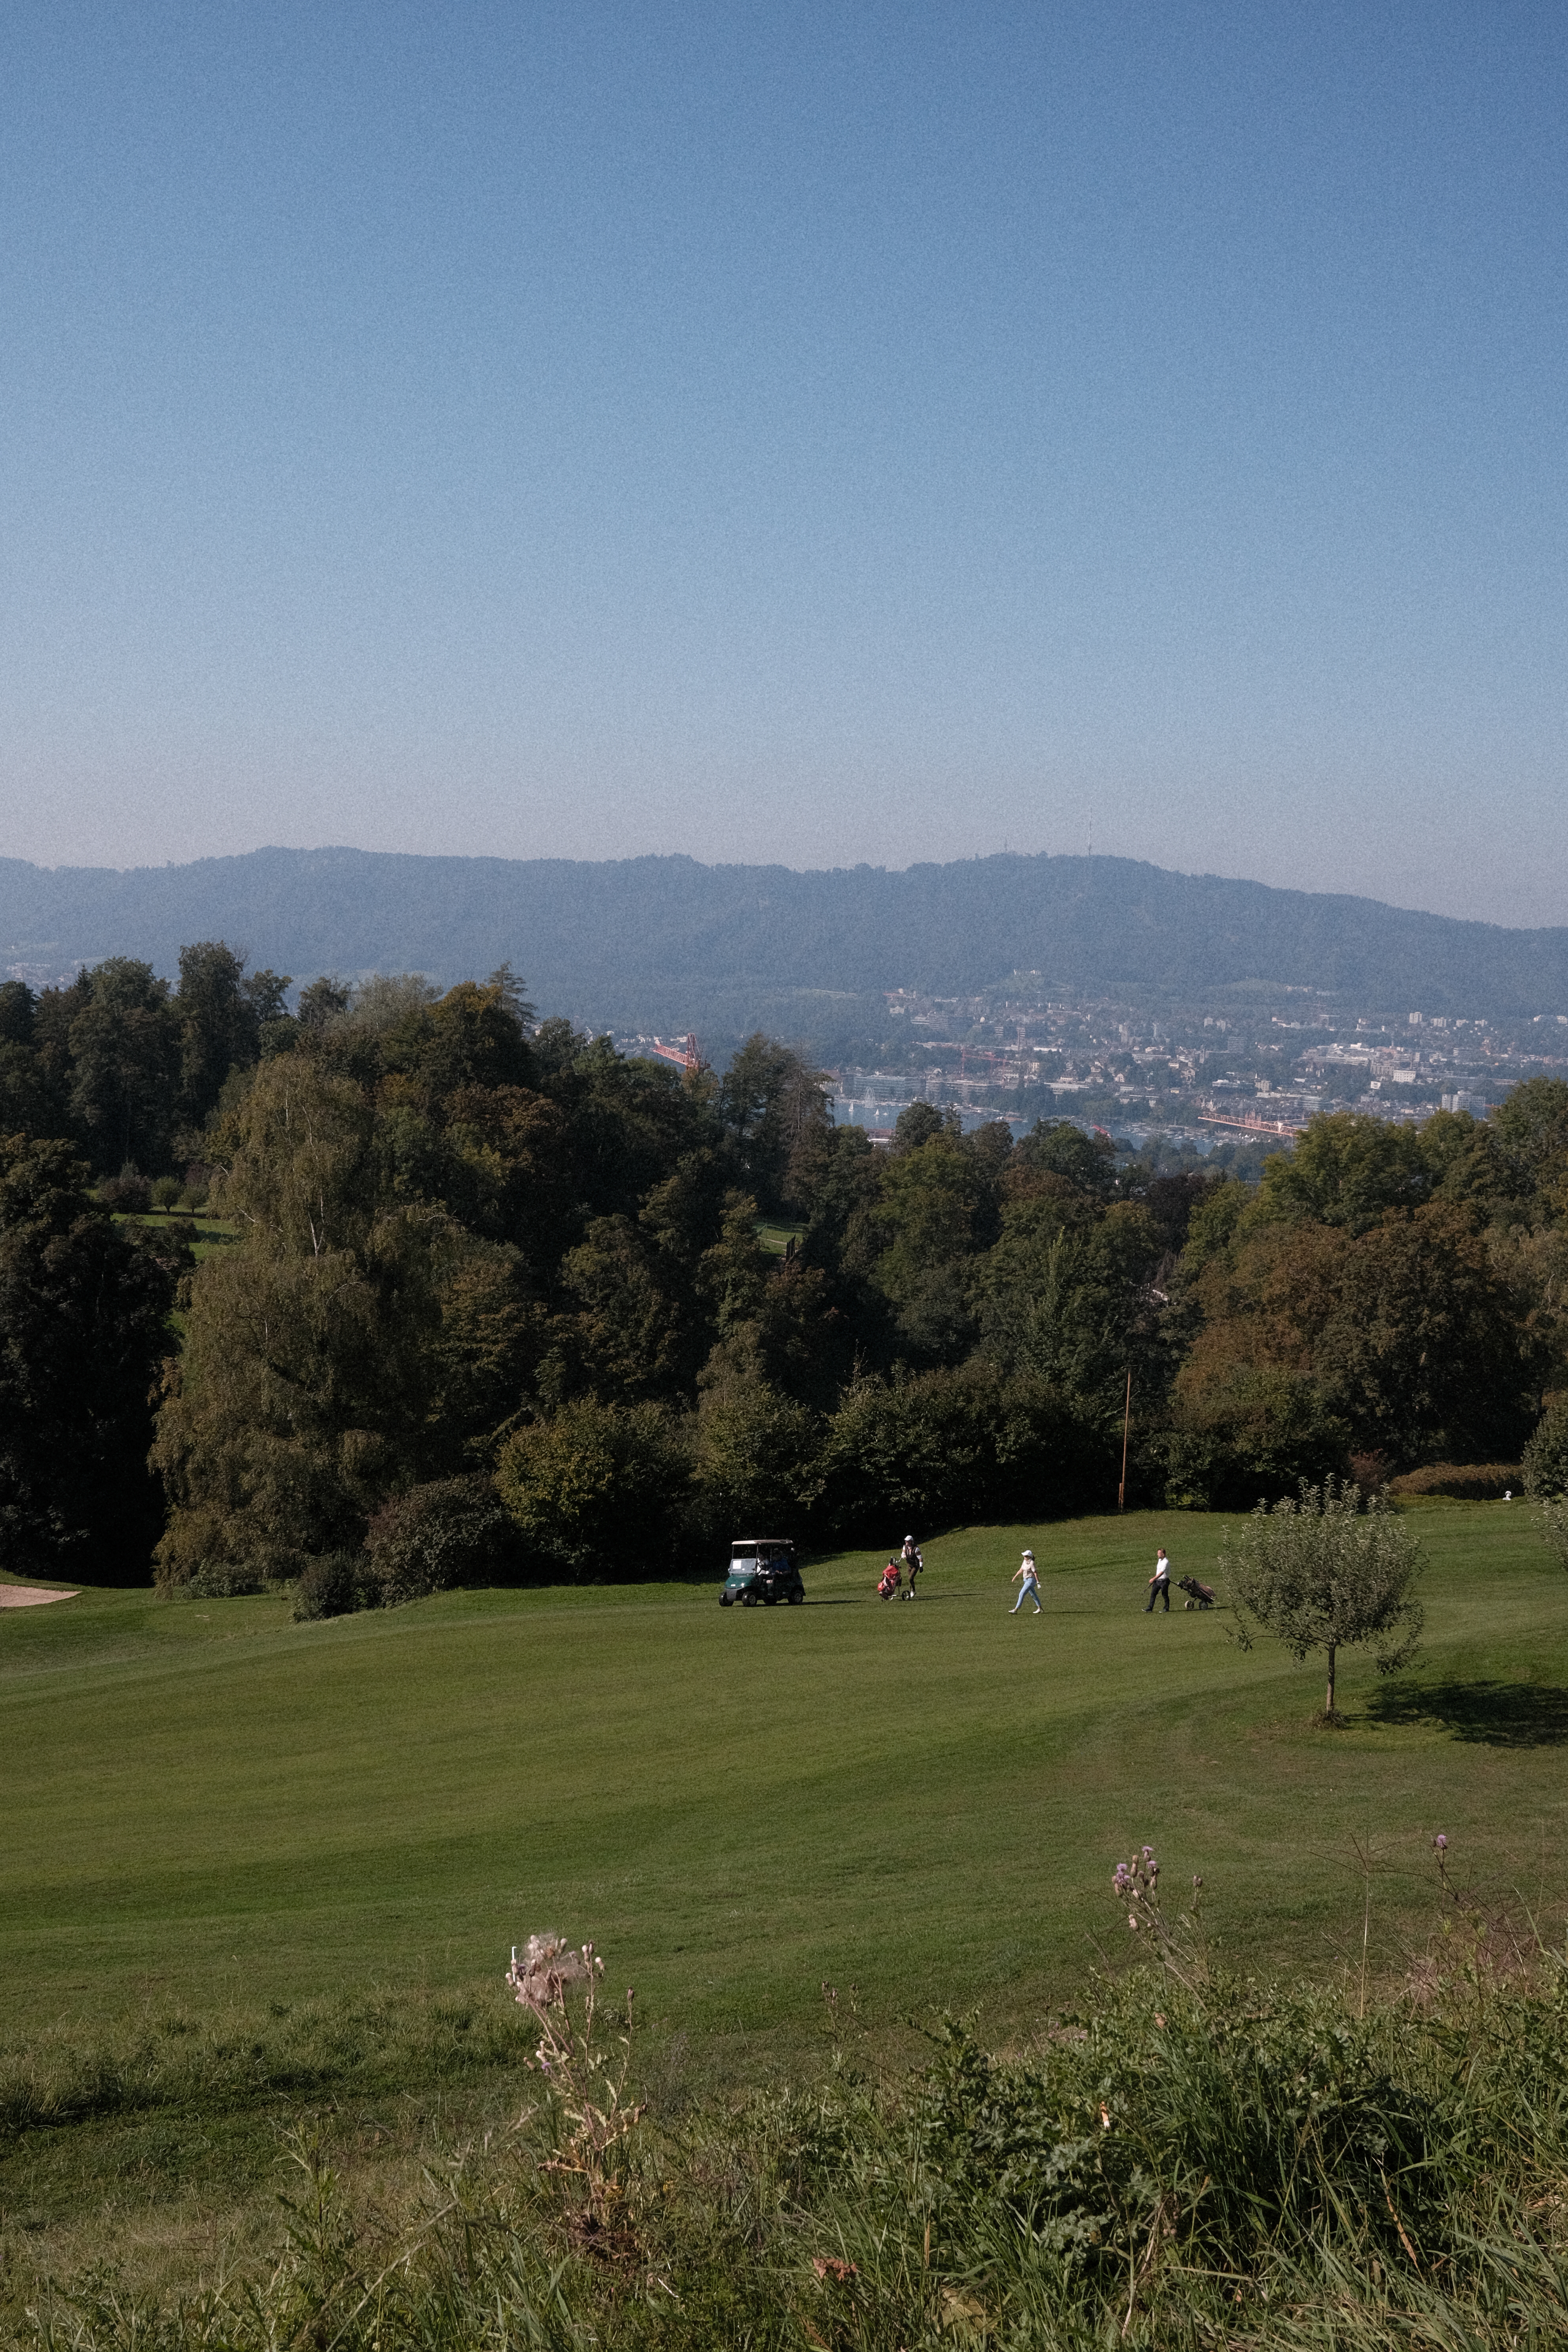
(1329, 1703)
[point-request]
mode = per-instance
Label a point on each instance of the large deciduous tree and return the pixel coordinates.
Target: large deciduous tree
(124, 1044)
(1407, 1332)
(221, 1009)
(598, 1491)
(773, 1105)
(328, 1351)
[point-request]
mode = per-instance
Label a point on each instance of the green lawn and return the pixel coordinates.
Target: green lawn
(775, 1233)
(209, 1806)
(211, 1233)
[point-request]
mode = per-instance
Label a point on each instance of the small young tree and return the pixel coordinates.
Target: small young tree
(1329, 1571)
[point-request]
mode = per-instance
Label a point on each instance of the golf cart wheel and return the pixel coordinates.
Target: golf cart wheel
(726, 1599)
(796, 1597)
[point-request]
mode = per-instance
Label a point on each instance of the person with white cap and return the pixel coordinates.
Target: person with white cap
(913, 1564)
(1028, 1585)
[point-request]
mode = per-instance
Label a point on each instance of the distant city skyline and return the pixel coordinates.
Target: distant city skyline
(814, 436)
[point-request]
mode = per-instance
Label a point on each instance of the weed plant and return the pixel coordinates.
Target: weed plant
(1196, 2160)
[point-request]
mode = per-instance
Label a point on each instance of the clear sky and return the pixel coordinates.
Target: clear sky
(809, 433)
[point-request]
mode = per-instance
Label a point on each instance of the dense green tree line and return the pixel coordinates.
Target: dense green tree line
(478, 1259)
(126, 1068)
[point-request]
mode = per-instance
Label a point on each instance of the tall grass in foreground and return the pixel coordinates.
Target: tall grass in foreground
(1198, 2163)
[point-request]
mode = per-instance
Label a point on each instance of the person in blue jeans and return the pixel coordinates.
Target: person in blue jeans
(1028, 1585)
(1159, 1584)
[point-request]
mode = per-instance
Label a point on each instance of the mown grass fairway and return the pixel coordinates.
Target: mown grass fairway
(208, 1805)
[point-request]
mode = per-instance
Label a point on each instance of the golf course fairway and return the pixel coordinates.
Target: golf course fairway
(208, 1805)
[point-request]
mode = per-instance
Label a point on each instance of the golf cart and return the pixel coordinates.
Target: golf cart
(761, 1568)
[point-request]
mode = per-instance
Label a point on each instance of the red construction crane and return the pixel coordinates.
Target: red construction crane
(687, 1055)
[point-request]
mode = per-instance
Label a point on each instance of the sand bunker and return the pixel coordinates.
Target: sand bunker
(28, 1596)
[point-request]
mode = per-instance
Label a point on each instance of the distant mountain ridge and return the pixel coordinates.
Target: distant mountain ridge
(662, 942)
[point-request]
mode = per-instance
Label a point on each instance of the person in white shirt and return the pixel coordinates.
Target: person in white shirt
(1028, 1585)
(1159, 1584)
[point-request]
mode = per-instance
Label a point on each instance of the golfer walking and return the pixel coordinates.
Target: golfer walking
(1158, 1584)
(1028, 1585)
(913, 1564)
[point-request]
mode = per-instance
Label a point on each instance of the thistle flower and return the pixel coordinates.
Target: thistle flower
(547, 1967)
(1441, 1842)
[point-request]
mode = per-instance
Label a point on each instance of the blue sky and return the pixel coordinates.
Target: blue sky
(797, 433)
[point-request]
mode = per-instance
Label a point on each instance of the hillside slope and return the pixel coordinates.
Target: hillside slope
(660, 941)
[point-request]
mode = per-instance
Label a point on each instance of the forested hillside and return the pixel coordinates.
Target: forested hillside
(497, 1300)
(660, 943)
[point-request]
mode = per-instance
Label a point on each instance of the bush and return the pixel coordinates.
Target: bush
(1227, 2164)
(1545, 1466)
(758, 1462)
(453, 1531)
(1554, 1525)
(128, 1193)
(332, 1586)
(1471, 1482)
(216, 1578)
(166, 1191)
(1252, 1436)
(944, 1446)
(598, 1493)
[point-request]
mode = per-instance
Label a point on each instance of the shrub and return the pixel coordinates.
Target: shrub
(1252, 1435)
(332, 1586)
(217, 1578)
(758, 1465)
(1471, 1482)
(128, 1193)
(1229, 2164)
(915, 1450)
(1545, 1466)
(453, 1531)
(1554, 1524)
(947, 1447)
(598, 1492)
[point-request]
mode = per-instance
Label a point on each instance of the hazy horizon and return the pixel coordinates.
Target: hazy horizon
(809, 438)
(884, 866)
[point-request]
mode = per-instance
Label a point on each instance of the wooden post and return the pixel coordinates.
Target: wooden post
(1126, 1426)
